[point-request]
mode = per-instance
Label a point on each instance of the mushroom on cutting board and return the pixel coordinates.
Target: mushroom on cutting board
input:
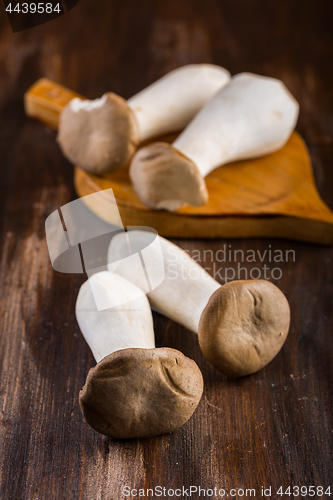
(135, 390)
(102, 135)
(241, 325)
(249, 117)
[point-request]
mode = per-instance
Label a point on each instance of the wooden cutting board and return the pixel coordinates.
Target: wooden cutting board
(272, 196)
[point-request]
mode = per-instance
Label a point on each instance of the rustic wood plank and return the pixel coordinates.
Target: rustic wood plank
(273, 428)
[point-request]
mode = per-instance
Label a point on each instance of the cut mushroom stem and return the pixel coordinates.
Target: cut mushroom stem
(103, 134)
(135, 390)
(249, 117)
(241, 325)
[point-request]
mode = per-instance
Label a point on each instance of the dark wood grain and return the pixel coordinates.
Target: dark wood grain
(273, 428)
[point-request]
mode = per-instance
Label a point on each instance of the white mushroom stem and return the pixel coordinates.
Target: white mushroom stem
(78, 104)
(170, 103)
(124, 326)
(250, 117)
(186, 289)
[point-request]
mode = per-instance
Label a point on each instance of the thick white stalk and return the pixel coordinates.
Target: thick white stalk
(250, 117)
(170, 103)
(187, 287)
(124, 326)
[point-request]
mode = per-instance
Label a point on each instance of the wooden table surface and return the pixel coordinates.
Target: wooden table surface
(274, 428)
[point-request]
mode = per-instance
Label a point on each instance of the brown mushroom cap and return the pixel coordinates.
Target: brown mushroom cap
(244, 326)
(99, 139)
(164, 178)
(135, 393)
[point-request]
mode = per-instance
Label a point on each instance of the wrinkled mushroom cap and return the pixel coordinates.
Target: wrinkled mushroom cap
(164, 178)
(99, 136)
(244, 326)
(135, 393)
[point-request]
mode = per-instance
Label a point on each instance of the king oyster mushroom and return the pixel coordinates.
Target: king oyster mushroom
(241, 325)
(249, 117)
(135, 390)
(103, 134)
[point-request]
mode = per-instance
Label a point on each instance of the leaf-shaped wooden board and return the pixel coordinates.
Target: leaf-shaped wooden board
(271, 196)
